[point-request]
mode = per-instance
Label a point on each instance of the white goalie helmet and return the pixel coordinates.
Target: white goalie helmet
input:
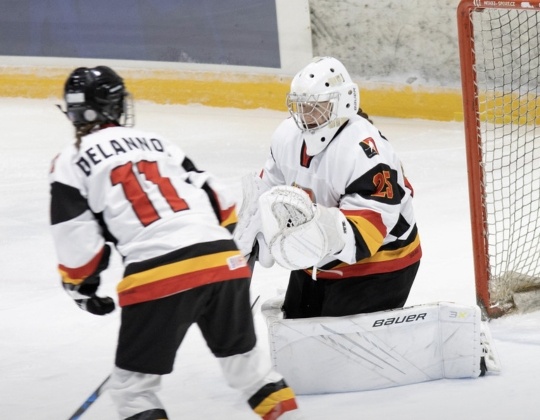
(322, 98)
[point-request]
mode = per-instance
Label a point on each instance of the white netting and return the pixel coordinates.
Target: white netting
(506, 48)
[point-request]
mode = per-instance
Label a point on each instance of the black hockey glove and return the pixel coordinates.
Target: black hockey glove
(96, 305)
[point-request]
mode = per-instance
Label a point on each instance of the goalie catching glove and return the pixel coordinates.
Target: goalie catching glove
(299, 233)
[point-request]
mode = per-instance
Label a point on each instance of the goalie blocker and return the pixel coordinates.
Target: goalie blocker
(379, 350)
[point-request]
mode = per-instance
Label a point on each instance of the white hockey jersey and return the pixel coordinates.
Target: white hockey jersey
(359, 173)
(139, 191)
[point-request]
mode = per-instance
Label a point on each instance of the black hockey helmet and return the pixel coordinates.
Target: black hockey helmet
(95, 96)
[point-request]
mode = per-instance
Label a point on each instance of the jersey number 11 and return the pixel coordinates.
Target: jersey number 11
(143, 207)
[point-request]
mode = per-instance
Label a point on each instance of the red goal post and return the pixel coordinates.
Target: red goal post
(499, 47)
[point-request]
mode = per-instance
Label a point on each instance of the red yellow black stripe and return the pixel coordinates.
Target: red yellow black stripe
(228, 216)
(77, 275)
(182, 270)
(384, 261)
(272, 400)
(370, 226)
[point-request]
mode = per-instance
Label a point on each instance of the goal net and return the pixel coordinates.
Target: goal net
(500, 70)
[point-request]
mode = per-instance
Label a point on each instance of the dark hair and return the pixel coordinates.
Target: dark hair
(364, 115)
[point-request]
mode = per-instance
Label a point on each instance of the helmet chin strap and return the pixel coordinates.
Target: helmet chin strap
(61, 110)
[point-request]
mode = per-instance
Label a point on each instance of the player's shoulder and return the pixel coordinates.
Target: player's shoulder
(66, 155)
(358, 140)
(359, 125)
(285, 135)
(358, 129)
(287, 128)
(118, 132)
(125, 136)
(61, 165)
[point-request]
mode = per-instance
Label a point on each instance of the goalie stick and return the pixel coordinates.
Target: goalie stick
(102, 387)
(90, 400)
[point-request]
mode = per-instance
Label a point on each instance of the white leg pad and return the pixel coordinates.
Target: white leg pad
(377, 350)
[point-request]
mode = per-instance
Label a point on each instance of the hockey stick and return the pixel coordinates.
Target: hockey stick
(254, 302)
(90, 400)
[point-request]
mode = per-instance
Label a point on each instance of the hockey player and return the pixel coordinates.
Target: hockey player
(332, 203)
(136, 191)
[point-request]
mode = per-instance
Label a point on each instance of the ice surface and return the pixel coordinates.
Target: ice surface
(53, 355)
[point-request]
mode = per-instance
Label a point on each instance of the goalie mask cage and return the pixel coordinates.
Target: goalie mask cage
(499, 56)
